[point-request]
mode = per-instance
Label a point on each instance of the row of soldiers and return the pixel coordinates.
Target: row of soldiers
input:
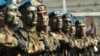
(30, 30)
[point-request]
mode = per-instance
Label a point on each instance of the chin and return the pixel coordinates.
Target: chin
(67, 29)
(14, 25)
(44, 25)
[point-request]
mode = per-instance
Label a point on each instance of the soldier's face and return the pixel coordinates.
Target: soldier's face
(56, 22)
(67, 23)
(31, 15)
(42, 18)
(13, 15)
(73, 29)
(81, 29)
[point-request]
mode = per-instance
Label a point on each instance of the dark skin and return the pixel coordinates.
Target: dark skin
(80, 31)
(42, 28)
(67, 25)
(1, 20)
(8, 26)
(56, 23)
(31, 16)
(12, 17)
(30, 22)
(69, 31)
(42, 21)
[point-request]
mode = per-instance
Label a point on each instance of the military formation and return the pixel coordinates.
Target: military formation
(30, 30)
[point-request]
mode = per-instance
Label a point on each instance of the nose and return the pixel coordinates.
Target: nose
(44, 18)
(59, 19)
(18, 14)
(68, 22)
(80, 27)
(34, 15)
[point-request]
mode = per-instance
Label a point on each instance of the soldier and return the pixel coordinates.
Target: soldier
(69, 30)
(34, 44)
(51, 44)
(80, 37)
(56, 25)
(11, 21)
(88, 43)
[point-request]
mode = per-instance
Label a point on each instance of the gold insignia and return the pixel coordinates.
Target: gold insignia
(69, 16)
(57, 12)
(41, 8)
(32, 2)
(80, 21)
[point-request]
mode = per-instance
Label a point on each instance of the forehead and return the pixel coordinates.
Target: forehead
(81, 25)
(67, 19)
(12, 7)
(31, 8)
(42, 11)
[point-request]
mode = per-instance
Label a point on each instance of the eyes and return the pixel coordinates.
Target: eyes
(31, 12)
(82, 26)
(66, 21)
(13, 10)
(42, 13)
(57, 17)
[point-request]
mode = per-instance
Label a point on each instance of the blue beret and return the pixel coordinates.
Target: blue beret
(26, 4)
(4, 3)
(79, 22)
(72, 18)
(53, 13)
(67, 15)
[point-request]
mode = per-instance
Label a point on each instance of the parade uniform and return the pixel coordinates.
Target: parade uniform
(55, 27)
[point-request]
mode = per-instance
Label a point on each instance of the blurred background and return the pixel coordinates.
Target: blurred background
(78, 6)
(75, 6)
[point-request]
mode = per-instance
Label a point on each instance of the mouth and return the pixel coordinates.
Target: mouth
(34, 22)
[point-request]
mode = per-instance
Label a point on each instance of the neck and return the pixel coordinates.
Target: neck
(42, 29)
(66, 31)
(57, 30)
(8, 29)
(79, 34)
(10, 26)
(31, 28)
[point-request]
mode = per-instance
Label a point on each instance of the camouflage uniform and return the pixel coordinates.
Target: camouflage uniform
(11, 21)
(51, 44)
(88, 43)
(85, 44)
(56, 24)
(33, 42)
(69, 31)
(80, 38)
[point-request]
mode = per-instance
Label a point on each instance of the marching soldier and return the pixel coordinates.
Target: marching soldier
(51, 44)
(80, 38)
(56, 25)
(33, 42)
(85, 44)
(11, 21)
(69, 30)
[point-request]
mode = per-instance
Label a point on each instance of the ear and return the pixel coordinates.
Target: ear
(1, 15)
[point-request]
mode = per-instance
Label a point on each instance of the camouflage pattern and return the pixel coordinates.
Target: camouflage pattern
(10, 21)
(69, 30)
(49, 39)
(35, 33)
(34, 45)
(56, 25)
(79, 43)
